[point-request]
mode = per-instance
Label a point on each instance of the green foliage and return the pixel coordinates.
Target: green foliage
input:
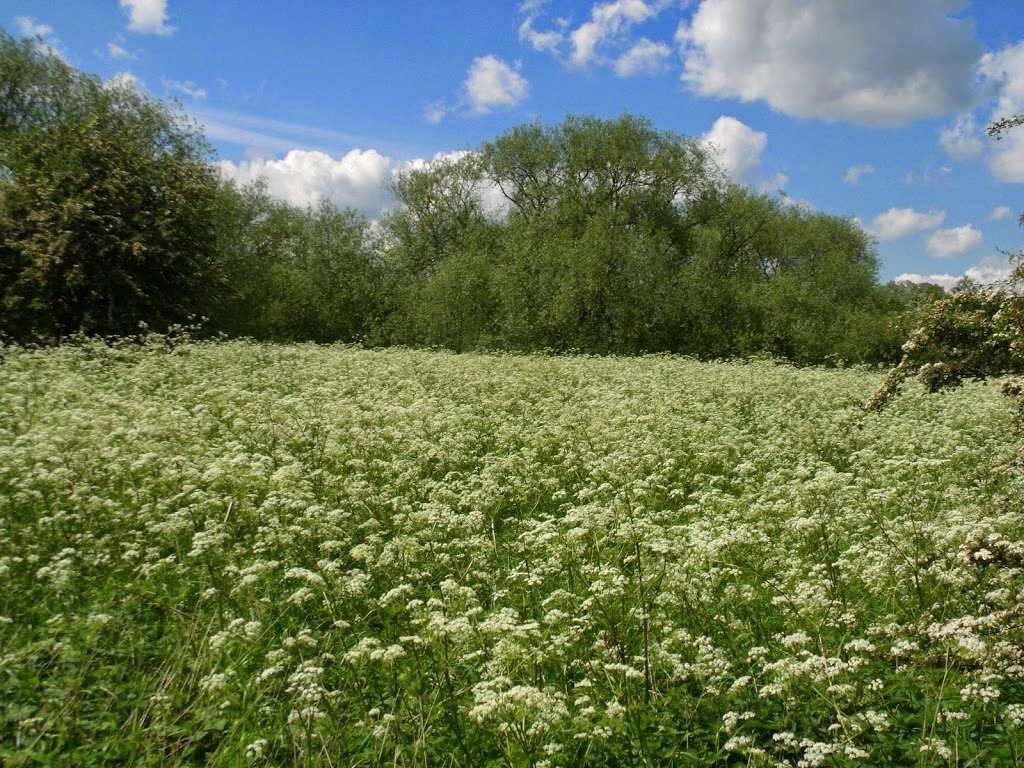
(977, 333)
(604, 236)
(105, 205)
(225, 554)
(439, 208)
(567, 173)
(620, 238)
(295, 274)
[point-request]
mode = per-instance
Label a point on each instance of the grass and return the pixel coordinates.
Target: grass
(232, 554)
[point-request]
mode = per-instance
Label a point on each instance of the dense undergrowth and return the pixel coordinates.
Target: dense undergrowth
(238, 554)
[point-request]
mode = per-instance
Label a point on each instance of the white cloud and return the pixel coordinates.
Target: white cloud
(1007, 159)
(1006, 69)
(989, 270)
(46, 42)
(939, 175)
(873, 61)
(548, 41)
(897, 223)
(801, 204)
(1000, 213)
(125, 79)
(607, 21)
(946, 281)
(435, 112)
(30, 27)
(644, 58)
(358, 179)
(962, 140)
(736, 147)
(605, 39)
(185, 88)
(491, 83)
(147, 16)
(545, 41)
(422, 163)
(956, 241)
(854, 172)
(116, 51)
(305, 177)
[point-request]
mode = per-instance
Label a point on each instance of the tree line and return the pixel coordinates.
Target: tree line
(593, 235)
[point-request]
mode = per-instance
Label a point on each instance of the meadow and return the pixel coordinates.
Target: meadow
(229, 554)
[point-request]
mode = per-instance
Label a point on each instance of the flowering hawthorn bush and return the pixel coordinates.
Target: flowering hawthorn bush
(234, 554)
(977, 333)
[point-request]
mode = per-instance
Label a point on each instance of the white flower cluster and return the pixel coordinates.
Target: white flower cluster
(242, 553)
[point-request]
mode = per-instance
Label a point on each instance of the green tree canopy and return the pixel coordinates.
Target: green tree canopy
(106, 206)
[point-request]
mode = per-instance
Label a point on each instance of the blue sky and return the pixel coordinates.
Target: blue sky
(872, 109)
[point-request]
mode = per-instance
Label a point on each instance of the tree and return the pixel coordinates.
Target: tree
(106, 208)
(295, 274)
(585, 165)
(438, 204)
(598, 231)
(616, 237)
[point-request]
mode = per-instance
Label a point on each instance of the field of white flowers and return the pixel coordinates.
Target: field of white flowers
(232, 554)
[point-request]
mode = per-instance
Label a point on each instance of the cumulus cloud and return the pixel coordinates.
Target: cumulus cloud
(608, 21)
(874, 62)
(435, 112)
(358, 179)
(956, 241)
(548, 41)
(423, 164)
(999, 213)
(1006, 69)
(855, 172)
(897, 223)
(737, 149)
(184, 87)
(30, 27)
(545, 41)
(989, 270)
(46, 41)
(304, 177)
(605, 39)
(147, 16)
(125, 79)
(644, 58)
(491, 83)
(117, 51)
(945, 281)
(962, 140)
